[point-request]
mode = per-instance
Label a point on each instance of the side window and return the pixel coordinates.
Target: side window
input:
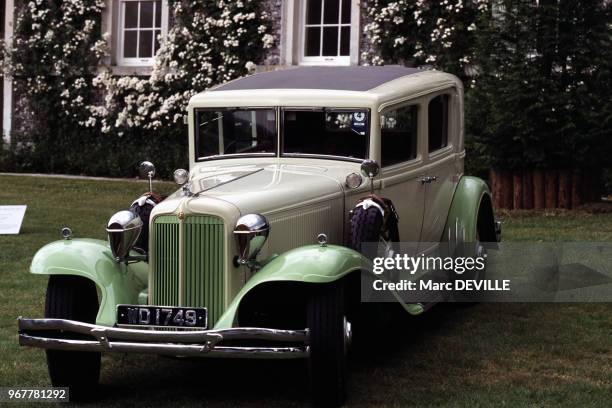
(438, 122)
(399, 135)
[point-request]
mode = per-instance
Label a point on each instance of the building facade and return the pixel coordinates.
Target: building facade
(307, 32)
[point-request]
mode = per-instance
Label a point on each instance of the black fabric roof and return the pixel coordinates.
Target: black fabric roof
(354, 78)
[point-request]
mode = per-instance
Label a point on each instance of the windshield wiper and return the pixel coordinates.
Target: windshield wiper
(210, 121)
(227, 181)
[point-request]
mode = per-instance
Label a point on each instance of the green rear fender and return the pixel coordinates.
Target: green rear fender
(92, 259)
(308, 264)
(471, 196)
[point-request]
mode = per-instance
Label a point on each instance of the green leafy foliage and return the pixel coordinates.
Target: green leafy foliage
(541, 98)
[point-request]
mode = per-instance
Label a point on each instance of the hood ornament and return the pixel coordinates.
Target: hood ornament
(66, 233)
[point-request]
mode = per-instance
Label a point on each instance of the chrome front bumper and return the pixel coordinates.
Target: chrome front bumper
(203, 343)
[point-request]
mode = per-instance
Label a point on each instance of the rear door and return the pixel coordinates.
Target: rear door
(443, 164)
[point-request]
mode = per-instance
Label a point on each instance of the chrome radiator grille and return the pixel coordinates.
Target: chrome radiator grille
(188, 263)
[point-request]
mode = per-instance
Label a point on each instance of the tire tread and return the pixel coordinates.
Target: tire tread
(73, 298)
(328, 369)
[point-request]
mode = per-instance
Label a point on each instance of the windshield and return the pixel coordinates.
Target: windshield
(235, 131)
(326, 132)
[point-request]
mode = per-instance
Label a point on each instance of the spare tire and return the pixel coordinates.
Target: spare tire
(142, 207)
(366, 225)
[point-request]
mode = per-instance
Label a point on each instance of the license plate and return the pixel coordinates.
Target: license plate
(162, 316)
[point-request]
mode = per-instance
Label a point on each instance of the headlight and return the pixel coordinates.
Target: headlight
(353, 180)
(251, 233)
(181, 176)
(123, 230)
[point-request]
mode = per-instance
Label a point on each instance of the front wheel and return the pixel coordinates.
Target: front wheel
(330, 335)
(72, 298)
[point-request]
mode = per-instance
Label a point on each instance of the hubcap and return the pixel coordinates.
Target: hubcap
(348, 334)
(481, 252)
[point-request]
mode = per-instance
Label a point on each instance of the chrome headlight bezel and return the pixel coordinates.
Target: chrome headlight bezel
(251, 232)
(353, 181)
(181, 176)
(123, 230)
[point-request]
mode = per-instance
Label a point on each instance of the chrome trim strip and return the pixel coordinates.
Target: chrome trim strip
(161, 342)
(200, 350)
(323, 157)
(233, 156)
(181, 258)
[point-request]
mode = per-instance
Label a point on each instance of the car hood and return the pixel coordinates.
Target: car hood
(266, 187)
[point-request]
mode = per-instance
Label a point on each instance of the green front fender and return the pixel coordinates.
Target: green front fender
(470, 196)
(92, 259)
(308, 264)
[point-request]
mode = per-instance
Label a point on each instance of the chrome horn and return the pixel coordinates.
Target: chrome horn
(251, 233)
(123, 230)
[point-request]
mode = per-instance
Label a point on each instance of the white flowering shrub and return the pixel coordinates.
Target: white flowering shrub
(422, 32)
(211, 42)
(68, 100)
(55, 50)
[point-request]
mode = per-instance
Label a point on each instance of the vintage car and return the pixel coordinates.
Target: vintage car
(258, 253)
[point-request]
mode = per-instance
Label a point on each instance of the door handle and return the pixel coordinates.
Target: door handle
(428, 179)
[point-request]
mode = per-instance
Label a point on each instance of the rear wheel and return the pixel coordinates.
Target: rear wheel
(330, 335)
(474, 250)
(72, 298)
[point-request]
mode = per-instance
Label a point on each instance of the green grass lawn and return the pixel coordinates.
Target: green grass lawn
(487, 355)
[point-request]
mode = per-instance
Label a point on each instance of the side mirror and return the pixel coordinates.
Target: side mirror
(123, 230)
(147, 170)
(370, 169)
(251, 232)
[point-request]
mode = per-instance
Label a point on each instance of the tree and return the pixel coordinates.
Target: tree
(540, 99)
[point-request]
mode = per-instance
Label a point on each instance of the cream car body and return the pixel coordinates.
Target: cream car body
(194, 256)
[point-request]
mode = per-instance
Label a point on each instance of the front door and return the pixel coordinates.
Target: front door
(401, 166)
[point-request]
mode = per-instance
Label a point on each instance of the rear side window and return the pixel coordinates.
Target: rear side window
(399, 135)
(438, 122)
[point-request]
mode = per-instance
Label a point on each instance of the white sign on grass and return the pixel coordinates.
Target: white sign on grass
(11, 217)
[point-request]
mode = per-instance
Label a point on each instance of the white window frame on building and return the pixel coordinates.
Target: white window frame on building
(7, 83)
(294, 34)
(120, 31)
(326, 28)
